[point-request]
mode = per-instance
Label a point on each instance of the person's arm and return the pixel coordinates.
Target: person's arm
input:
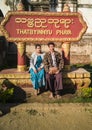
(61, 62)
(46, 64)
(32, 63)
(42, 64)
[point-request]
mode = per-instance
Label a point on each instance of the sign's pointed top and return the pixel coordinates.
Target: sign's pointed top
(66, 8)
(20, 6)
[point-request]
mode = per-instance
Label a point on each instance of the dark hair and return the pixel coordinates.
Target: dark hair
(37, 45)
(51, 43)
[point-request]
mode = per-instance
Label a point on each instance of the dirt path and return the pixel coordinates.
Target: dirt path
(37, 116)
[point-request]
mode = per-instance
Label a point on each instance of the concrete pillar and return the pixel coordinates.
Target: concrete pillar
(66, 46)
(21, 58)
(21, 46)
(66, 55)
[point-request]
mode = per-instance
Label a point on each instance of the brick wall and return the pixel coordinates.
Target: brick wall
(81, 52)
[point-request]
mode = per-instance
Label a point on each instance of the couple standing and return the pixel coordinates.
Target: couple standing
(46, 69)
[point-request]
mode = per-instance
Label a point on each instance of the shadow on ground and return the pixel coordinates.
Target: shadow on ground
(18, 97)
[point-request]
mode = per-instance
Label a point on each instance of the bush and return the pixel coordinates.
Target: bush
(5, 95)
(85, 92)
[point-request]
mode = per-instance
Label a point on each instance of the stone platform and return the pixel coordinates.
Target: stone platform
(75, 77)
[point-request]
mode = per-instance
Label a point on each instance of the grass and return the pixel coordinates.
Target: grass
(67, 98)
(32, 112)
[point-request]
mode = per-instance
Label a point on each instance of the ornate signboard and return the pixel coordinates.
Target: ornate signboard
(43, 26)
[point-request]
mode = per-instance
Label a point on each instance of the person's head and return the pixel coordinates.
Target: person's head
(38, 48)
(51, 46)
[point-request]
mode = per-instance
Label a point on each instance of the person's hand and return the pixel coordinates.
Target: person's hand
(39, 69)
(50, 72)
(57, 72)
(35, 71)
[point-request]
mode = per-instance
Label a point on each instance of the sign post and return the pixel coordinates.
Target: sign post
(21, 65)
(23, 26)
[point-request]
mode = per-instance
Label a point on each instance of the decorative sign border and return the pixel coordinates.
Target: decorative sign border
(23, 13)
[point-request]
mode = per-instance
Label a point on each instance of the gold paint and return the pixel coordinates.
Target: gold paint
(87, 82)
(71, 74)
(79, 83)
(20, 6)
(23, 13)
(79, 75)
(37, 32)
(63, 32)
(14, 76)
(66, 48)
(68, 78)
(21, 48)
(1, 32)
(66, 8)
(41, 23)
(87, 75)
(73, 81)
(21, 68)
